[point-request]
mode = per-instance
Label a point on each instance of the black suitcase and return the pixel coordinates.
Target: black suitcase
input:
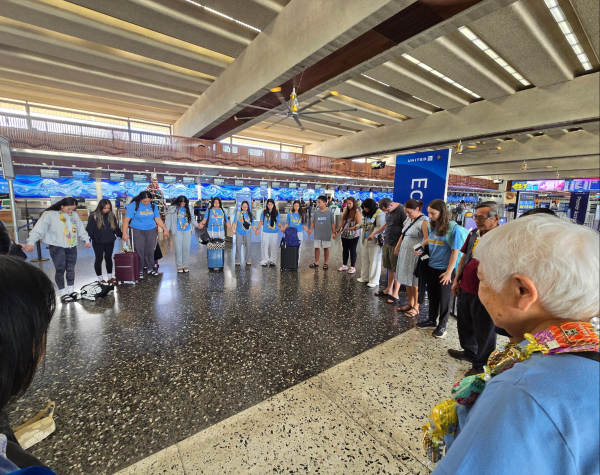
(289, 257)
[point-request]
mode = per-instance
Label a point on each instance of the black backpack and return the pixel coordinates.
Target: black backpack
(95, 291)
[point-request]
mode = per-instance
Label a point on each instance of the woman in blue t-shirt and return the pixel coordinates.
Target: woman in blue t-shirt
(181, 223)
(294, 219)
(142, 216)
(216, 220)
(244, 223)
(270, 242)
(444, 242)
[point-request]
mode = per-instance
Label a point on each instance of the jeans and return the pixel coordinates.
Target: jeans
(144, 243)
(349, 250)
(440, 297)
(103, 251)
(476, 329)
(182, 241)
(245, 241)
(64, 260)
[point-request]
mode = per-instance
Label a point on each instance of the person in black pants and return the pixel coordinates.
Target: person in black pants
(103, 230)
(476, 330)
(350, 235)
(444, 242)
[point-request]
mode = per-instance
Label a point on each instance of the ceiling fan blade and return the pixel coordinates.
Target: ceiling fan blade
(298, 122)
(320, 121)
(275, 123)
(279, 95)
(310, 105)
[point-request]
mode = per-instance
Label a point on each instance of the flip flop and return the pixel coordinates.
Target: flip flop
(325, 266)
(313, 266)
(391, 300)
(381, 293)
(410, 314)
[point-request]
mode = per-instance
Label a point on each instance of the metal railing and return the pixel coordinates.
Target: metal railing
(62, 136)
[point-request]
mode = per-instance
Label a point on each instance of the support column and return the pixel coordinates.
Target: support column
(98, 189)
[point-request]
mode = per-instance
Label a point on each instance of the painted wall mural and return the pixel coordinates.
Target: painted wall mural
(228, 192)
(30, 186)
(117, 189)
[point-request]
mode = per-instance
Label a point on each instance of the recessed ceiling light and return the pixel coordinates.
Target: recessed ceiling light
(567, 30)
(548, 166)
(492, 54)
(440, 75)
(373, 79)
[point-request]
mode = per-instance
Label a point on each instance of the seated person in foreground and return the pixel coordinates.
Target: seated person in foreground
(535, 409)
(27, 303)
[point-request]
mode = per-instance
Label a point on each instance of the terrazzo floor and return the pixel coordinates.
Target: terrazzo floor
(160, 361)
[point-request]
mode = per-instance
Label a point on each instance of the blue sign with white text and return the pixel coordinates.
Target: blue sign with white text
(422, 176)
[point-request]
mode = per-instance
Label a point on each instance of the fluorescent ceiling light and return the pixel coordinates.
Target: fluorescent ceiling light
(373, 79)
(492, 54)
(565, 27)
(440, 75)
(430, 103)
(223, 15)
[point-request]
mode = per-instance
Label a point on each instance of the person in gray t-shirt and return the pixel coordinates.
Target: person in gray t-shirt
(323, 224)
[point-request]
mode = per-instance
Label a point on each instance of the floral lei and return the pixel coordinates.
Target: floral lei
(71, 236)
(568, 337)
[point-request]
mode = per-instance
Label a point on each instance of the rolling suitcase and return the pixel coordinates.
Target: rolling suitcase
(289, 257)
(216, 253)
(127, 267)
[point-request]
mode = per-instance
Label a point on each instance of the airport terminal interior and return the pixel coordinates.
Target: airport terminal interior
(267, 306)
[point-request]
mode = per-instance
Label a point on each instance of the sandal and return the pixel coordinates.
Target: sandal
(67, 299)
(391, 300)
(406, 308)
(313, 266)
(74, 295)
(352, 270)
(325, 266)
(412, 312)
(343, 268)
(381, 293)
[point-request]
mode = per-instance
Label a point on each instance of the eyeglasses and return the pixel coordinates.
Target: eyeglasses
(481, 218)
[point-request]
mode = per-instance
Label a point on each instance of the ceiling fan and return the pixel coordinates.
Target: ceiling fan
(292, 111)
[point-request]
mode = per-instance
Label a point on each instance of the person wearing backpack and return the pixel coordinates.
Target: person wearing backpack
(103, 231)
(271, 220)
(445, 240)
(244, 223)
(180, 222)
(59, 226)
(295, 218)
(142, 216)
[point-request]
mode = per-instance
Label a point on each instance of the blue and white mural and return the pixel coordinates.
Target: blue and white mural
(29, 186)
(117, 189)
(228, 192)
(379, 195)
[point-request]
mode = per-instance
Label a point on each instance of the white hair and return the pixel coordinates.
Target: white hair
(561, 258)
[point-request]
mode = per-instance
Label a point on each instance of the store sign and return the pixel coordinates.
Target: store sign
(578, 206)
(539, 185)
(140, 178)
(190, 180)
(170, 179)
(422, 176)
(117, 176)
(585, 184)
(81, 175)
(45, 173)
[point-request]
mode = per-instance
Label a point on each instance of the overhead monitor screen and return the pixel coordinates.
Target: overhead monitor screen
(190, 180)
(170, 178)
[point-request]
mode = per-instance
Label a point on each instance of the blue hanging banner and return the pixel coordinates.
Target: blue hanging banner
(578, 205)
(422, 176)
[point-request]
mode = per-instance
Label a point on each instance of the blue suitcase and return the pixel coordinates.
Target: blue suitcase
(216, 259)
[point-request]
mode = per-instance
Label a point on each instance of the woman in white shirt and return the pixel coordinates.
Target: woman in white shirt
(371, 253)
(59, 226)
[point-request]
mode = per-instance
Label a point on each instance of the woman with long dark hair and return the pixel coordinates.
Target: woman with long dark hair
(142, 216)
(443, 245)
(351, 218)
(59, 226)
(371, 252)
(295, 218)
(414, 230)
(271, 220)
(103, 230)
(216, 219)
(180, 223)
(244, 223)
(28, 304)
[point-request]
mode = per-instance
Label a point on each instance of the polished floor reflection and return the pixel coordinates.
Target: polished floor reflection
(164, 359)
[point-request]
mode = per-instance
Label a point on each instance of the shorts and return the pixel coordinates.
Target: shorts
(390, 260)
(322, 244)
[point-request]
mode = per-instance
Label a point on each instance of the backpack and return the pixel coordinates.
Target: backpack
(137, 205)
(95, 291)
(291, 237)
(464, 234)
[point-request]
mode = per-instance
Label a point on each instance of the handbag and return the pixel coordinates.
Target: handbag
(204, 238)
(157, 253)
(245, 224)
(37, 428)
(17, 251)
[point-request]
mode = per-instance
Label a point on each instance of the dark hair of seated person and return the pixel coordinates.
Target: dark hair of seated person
(27, 304)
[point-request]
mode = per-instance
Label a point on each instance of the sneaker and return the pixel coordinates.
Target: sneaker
(248, 263)
(342, 268)
(439, 332)
(141, 276)
(352, 271)
(180, 271)
(473, 371)
(272, 264)
(426, 325)
(360, 279)
(264, 264)
(153, 272)
(186, 270)
(237, 264)
(373, 285)
(459, 355)
(112, 281)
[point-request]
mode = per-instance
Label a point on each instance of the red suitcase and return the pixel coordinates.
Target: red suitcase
(127, 267)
